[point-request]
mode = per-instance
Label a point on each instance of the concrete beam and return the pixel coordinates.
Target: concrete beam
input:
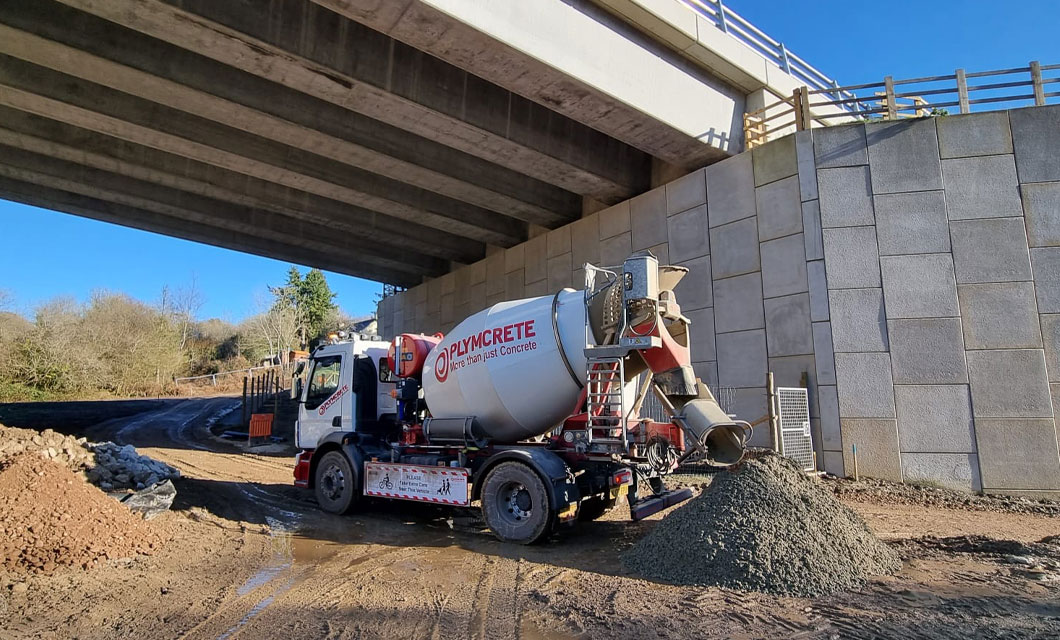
(78, 44)
(197, 210)
(577, 60)
(58, 140)
(58, 96)
(359, 69)
(126, 216)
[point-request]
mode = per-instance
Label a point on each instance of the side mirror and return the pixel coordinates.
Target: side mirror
(296, 389)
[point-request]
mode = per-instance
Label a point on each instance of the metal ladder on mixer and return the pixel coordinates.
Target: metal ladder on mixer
(604, 380)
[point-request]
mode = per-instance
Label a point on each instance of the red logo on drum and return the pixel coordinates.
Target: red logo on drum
(441, 366)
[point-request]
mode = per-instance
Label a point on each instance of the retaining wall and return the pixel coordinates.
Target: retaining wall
(908, 272)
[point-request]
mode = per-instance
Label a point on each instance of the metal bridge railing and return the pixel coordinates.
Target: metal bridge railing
(893, 99)
(772, 50)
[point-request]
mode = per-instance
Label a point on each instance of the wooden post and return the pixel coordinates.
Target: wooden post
(796, 101)
(804, 117)
(1036, 80)
(774, 426)
(854, 455)
(275, 398)
(243, 416)
(962, 91)
(892, 107)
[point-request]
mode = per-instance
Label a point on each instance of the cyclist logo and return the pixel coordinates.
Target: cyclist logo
(385, 483)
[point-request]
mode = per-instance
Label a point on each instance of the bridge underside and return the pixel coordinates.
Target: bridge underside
(293, 130)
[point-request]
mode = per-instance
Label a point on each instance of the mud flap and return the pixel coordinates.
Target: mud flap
(643, 508)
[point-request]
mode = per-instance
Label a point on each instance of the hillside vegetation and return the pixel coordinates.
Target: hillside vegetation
(117, 346)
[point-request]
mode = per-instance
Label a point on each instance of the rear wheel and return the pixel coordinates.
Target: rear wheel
(335, 483)
(595, 507)
(515, 504)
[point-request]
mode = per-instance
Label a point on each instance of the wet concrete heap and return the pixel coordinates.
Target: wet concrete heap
(766, 527)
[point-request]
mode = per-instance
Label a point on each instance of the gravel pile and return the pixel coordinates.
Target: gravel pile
(109, 466)
(767, 527)
(50, 518)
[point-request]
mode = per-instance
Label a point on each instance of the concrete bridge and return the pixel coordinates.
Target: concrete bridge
(389, 140)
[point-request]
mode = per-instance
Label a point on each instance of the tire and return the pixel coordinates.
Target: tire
(595, 507)
(515, 504)
(335, 483)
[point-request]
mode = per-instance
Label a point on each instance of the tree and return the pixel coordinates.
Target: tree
(310, 299)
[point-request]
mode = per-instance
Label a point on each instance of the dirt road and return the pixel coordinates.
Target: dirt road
(252, 557)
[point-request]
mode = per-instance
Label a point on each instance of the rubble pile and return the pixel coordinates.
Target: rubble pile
(121, 467)
(109, 466)
(66, 450)
(766, 527)
(50, 518)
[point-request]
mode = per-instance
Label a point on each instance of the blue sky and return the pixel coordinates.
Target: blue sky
(46, 254)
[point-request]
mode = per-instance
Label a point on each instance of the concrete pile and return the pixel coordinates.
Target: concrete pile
(121, 467)
(50, 518)
(766, 527)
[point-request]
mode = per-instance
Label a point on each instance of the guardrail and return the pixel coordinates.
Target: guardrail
(893, 99)
(213, 376)
(774, 51)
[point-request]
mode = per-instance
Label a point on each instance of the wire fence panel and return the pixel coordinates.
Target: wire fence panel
(793, 414)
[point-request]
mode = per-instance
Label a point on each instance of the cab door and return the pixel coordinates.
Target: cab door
(322, 407)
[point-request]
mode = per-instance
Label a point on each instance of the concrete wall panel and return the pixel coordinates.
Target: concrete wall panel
(738, 303)
(648, 218)
(688, 234)
(982, 134)
(990, 250)
(935, 418)
(851, 258)
(822, 349)
(735, 248)
(811, 225)
(1041, 207)
(686, 192)
(1000, 316)
(1018, 454)
(927, 351)
(865, 386)
(904, 156)
(807, 167)
(912, 223)
(784, 266)
(1051, 338)
(818, 283)
(1009, 384)
(1035, 139)
(981, 187)
(742, 358)
(840, 146)
(614, 220)
(1045, 263)
(919, 286)
(845, 196)
(730, 190)
(696, 291)
(788, 330)
(959, 471)
(772, 162)
(779, 208)
(859, 322)
(877, 447)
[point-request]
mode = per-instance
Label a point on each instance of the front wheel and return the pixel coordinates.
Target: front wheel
(515, 504)
(335, 484)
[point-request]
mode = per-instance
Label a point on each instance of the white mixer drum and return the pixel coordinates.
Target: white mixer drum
(505, 367)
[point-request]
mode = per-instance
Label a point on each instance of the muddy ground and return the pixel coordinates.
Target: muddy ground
(252, 557)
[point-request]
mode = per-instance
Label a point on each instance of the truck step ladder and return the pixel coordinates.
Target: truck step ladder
(604, 378)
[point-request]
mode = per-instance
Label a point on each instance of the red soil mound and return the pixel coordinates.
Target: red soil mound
(49, 517)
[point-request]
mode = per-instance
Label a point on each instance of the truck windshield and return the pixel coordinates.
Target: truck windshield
(324, 381)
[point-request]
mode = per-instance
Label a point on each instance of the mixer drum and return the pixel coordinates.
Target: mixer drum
(517, 367)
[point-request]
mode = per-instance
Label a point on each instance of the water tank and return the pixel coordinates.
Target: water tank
(517, 367)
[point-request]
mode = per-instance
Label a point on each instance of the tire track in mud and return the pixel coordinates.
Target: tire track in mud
(501, 616)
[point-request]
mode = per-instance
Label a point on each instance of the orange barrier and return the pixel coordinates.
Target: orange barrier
(261, 425)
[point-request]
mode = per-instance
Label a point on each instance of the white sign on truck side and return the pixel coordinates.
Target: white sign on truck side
(440, 485)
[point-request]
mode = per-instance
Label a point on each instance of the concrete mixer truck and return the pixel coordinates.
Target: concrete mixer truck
(529, 408)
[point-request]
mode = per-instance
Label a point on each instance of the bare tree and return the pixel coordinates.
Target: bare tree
(186, 303)
(5, 299)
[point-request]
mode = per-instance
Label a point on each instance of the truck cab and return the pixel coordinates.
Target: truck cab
(345, 387)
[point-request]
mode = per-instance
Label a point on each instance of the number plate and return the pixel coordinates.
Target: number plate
(440, 485)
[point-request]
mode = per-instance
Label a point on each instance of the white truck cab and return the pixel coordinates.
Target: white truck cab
(344, 386)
